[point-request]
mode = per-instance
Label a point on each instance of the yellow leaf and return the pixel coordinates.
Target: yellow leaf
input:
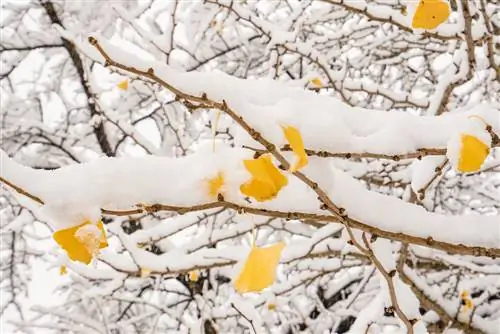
(81, 242)
(295, 141)
(430, 14)
(468, 304)
(473, 152)
(193, 276)
(466, 301)
(63, 270)
(259, 270)
(266, 181)
(123, 85)
(317, 82)
(145, 272)
(215, 185)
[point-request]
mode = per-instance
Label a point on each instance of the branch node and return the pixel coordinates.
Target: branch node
(429, 240)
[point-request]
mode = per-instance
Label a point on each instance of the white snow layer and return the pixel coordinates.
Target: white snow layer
(74, 193)
(325, 123)
(77, 192)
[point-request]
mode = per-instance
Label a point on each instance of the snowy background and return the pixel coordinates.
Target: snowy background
(382, 232)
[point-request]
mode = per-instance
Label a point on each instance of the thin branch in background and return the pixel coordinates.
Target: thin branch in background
(21, 191)
(245, 317)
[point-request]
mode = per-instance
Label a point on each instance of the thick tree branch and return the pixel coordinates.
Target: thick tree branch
(99, 130)
(309, 218)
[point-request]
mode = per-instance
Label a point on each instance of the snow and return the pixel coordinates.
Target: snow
(76, 193)
(122, 183)
(406, 299)
(384, 251)
(342, 128)
(88, 231)
(253, 319)
(423, 170)
(434, 293)
(369, 315)
(18, 223)
(390, 213)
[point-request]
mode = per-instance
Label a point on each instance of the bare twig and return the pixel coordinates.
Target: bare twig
(425, 300)
(245, 317)
(21, 190)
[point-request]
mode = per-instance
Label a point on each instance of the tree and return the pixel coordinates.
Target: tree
(141, 114)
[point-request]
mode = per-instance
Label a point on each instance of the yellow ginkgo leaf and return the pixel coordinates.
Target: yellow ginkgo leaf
(63, 270)
(216, 185)
(82, 242)
(259, 270)
(266, 181)
(145, 272)
(473, 153)
(466, 301)
(467, 304)
(430, 14)
(123, 85)
(317, 82)
(194, 276)
(296, 143)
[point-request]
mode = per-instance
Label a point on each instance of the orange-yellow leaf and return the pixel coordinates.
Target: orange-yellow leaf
(430, 14)
(145, 272)
(473, 152)
(193, 276)
(296, 143)
(123, 85)
(317, 82)
(259, 270)
(466, 301)
(63, 270)
(467, 304)
(266, 181)
(215, 185)
(81, 242)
